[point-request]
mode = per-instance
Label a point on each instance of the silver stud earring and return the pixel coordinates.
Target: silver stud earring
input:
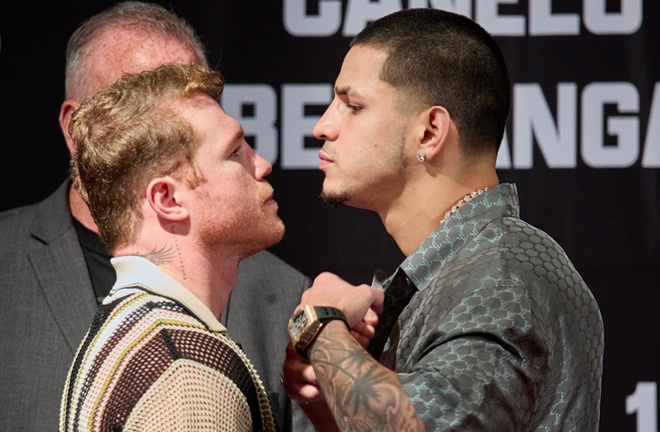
(421, 157)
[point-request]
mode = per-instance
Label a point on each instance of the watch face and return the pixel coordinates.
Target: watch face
(297, 325)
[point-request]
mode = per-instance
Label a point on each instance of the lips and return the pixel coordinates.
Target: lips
(270, 197)
(323, 155)
(325, 159)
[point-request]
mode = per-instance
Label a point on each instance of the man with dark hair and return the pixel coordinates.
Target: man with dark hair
(178, 216)
(486, 325)
(55, 270)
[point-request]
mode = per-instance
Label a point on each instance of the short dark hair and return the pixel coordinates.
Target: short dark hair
(441, 58)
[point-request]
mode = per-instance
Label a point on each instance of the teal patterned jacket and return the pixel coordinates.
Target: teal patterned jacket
(502, 333)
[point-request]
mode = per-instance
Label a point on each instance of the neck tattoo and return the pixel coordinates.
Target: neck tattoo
(461, 202)
(178, 253)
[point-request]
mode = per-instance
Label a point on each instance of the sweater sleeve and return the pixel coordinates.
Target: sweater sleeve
(190, 397)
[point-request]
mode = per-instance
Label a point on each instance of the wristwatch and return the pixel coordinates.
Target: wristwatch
(306, 324)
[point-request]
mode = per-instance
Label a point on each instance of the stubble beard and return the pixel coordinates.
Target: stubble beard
(243, 238)
(334, 199)
(273, 234)
(249, 231)
(341, 197)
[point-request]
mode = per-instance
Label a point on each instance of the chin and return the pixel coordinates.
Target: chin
(334, 199)
(272, 235)
(267, 241)
(278, 235)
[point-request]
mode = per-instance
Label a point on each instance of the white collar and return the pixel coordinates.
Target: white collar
(134, 271)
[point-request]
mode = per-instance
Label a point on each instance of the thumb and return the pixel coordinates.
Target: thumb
(379, 297)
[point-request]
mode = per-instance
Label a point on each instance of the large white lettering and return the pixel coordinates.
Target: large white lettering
(626, 128)
(540, 19)
(644, 403)
(532, 117)
(542, 22)
(651, 158)
(463, 7)
(487, 14)
(503, 155)
(296, 125)
(360, 12)
(298, 23)
(598, 21)
(602, 125)
(259, 122)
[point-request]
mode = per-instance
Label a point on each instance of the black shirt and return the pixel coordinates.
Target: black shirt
(97, 257)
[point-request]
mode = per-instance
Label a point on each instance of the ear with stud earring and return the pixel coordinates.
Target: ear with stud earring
(421, 157)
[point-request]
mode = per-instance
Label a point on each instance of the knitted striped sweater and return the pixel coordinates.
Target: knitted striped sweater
(156, 359)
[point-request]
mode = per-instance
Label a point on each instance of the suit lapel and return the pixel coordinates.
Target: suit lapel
(61, 269)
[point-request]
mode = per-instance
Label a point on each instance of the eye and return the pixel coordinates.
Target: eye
(237, 152)
(354, 108)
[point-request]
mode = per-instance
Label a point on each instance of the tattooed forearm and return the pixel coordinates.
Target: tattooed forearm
(159, 256)
(362, 394)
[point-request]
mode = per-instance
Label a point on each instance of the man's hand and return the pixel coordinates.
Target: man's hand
(365, 330)
(298, 378)
(354, 301)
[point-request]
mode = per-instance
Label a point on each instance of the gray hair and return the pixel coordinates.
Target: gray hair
(143, 17)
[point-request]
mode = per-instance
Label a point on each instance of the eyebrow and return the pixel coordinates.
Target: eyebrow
(346, 91)
(341, 90)
(238, 136)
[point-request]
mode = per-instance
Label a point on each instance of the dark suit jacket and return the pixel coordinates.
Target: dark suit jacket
(47, 304)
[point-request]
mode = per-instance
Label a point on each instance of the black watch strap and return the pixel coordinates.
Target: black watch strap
(327, 313)
(322, 314)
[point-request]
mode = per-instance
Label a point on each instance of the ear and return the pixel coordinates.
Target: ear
(438, 124)
(66, 112)
(163, 197)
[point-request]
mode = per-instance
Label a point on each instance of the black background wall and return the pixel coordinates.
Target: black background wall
(583, 143)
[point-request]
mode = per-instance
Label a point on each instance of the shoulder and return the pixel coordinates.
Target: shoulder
(133, 304)
(511, 244)
(48, 218)
(16, 227)
(528, 254)
(513, 265)
(17, 219)
(217, 401)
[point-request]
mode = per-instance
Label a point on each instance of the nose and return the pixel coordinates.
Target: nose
(326, 129)
(261, 167)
